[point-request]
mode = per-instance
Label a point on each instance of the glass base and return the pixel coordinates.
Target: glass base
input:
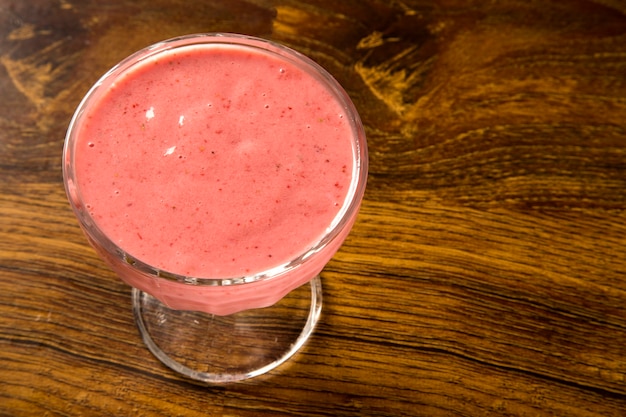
(220, 349)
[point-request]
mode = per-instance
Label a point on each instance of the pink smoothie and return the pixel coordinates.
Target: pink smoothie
(215, 161)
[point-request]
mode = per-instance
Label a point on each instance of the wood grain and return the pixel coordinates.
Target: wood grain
(485, 274)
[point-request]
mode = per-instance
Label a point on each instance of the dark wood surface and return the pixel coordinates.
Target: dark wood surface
(485, 276)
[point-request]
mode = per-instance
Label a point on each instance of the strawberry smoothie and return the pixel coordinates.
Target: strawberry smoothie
(216, 172)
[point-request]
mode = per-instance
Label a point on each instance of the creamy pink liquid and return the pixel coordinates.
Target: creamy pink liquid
(215, 162)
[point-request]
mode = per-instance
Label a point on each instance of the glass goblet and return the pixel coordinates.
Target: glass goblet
(217, 174)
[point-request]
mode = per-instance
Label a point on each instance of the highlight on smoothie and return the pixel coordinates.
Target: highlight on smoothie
(216, 173)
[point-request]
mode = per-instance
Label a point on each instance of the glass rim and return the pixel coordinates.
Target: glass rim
(350, 205)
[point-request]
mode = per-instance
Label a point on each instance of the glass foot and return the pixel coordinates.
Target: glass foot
(221, 349)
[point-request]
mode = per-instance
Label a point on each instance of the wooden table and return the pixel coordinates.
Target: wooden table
(486, 274)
